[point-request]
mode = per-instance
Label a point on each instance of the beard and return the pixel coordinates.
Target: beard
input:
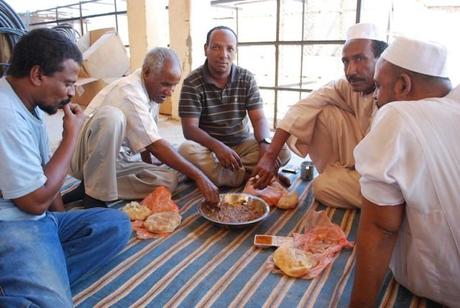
(53, 109)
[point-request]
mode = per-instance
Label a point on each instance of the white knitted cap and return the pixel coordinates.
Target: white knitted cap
(428, 58)
(364, 31)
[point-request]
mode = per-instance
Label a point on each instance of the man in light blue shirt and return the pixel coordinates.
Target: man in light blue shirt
(44, 250)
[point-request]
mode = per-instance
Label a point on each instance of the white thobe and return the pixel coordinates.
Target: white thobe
(412, 155)
(327, 125)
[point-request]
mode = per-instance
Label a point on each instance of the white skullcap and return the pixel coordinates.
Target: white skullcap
(366, 31)
(426, 58)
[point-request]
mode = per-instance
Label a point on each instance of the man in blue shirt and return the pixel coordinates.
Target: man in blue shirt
(44, 250)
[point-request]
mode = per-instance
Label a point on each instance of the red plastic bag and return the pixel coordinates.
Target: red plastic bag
(271, 194)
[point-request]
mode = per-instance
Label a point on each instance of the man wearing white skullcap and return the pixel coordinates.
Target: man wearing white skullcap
(330, 122)
(410, 169)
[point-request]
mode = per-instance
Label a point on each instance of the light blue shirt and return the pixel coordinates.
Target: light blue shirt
(24, 151)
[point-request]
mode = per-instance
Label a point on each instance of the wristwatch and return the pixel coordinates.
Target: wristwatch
(266, 140)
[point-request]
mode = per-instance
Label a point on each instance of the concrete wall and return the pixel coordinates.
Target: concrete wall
(189, 23)
(148, 27)
(188, 20)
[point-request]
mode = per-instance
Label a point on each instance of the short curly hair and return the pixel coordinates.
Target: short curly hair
(208, 36)
(44, 47)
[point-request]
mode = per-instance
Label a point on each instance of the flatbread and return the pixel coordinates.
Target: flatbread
(293, 262)
(288, 201)
(163, 222)
(136, 211)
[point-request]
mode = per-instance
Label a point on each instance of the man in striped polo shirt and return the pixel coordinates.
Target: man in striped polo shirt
(215, 101)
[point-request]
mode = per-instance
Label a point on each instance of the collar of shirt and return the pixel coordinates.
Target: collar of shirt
(35, 115)
(151, 103)
(139, 74)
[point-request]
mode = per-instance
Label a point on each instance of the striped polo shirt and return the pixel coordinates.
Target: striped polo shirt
(222, 112)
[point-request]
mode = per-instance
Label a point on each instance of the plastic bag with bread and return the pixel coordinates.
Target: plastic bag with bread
(157, 215)
(312, 251)
(274, 194)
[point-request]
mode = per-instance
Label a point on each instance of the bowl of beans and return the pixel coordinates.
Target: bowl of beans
(235, 209)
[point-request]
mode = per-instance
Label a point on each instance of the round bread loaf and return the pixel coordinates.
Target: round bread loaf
(293, 262)
(288, 201)
(162, 222)
(136, 211)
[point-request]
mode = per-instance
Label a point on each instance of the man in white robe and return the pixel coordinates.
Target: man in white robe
(330, 122)
(120, 121)
(410, 169)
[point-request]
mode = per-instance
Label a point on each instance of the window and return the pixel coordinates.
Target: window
(291, 46)
(294, 46)
(84, 16)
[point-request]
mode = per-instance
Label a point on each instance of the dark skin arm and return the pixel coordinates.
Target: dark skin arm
(261, 129)
(44, 198)
(267, 166)
(57, 205)
(146, 158)
(377, 234)
(226, 156)
(166, 154)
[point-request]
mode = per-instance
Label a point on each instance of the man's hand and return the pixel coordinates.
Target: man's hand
(73, 120)
(57, 205)
(208, 189)
(268, 165)
(266, 168)
(47, 196)
(227, 157)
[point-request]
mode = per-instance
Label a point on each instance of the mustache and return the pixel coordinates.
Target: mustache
(63, 103)
(355, 78)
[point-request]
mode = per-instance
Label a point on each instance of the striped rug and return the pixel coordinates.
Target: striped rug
(203, 265)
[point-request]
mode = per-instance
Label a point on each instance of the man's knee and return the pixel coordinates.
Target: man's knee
(186, 149)
(320, 187)
(229, 178)
(109, 118)
(121, 226)
(172, 181)
(330, 192)
(111, 222)
(323, 190)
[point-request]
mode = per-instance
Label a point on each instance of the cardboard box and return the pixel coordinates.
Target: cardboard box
(86, 90)
(104, 60)
(94, 35)
(106, 57)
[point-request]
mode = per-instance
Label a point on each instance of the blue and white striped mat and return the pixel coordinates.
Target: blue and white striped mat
(203, 265)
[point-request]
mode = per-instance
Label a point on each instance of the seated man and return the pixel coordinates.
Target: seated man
(215, 99)
(123, 113)
(410, 170)
(43, 252)
(330, 122)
